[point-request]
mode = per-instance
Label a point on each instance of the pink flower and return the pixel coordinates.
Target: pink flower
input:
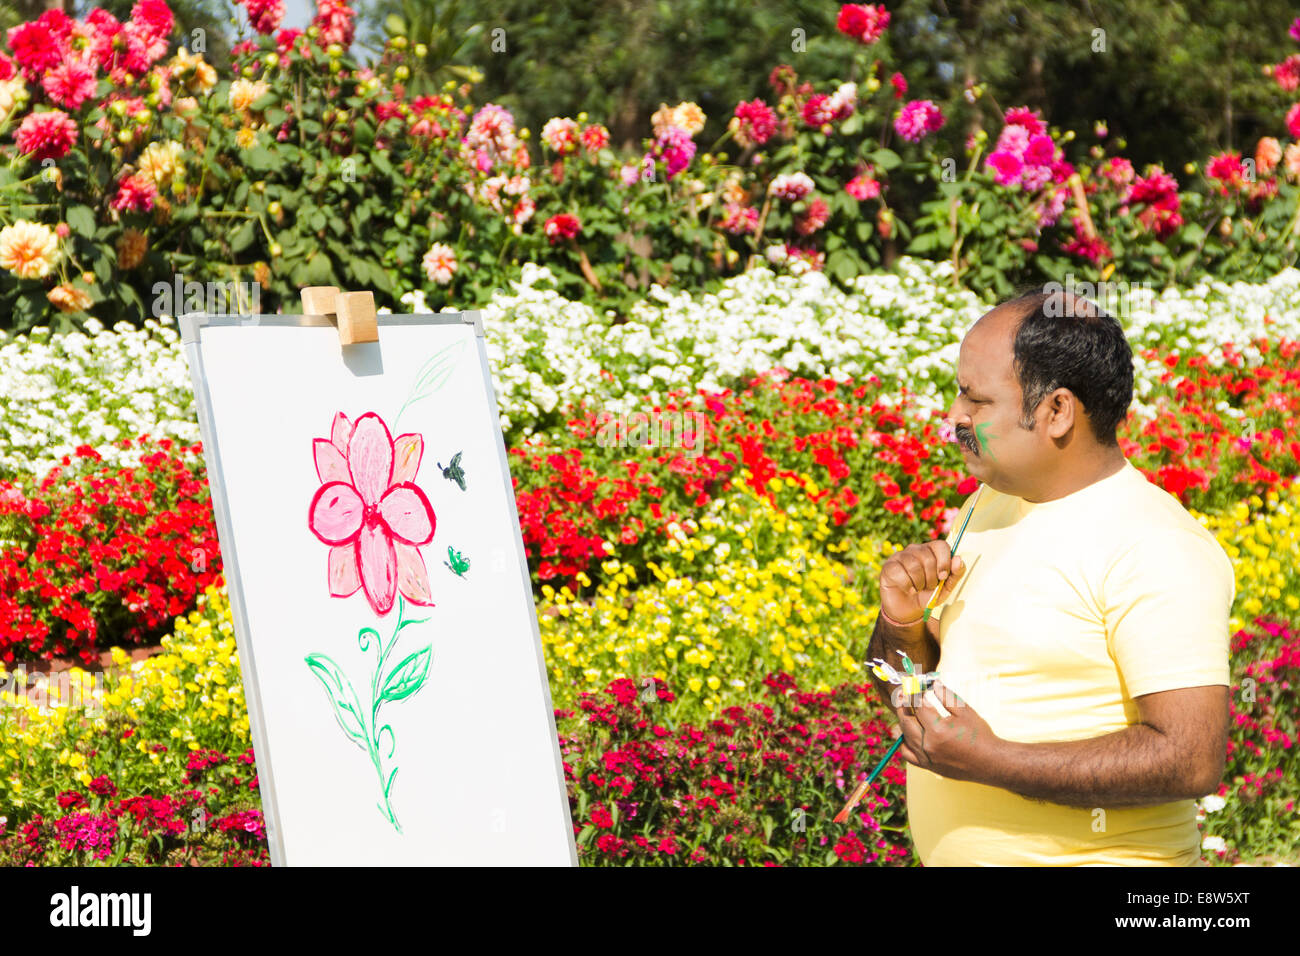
(1040, 151)
(144, 47)
(40, 45)
(1118, 170)
(899, 82)
(862, 187)
(676, 148)
(754, 123)
(70, 83)
(102, 27)
(154, 16)
(817, 112)
(135, 192)
(46, 135)
(864, 22)
(813, 219)
(1293, 121)
(560, 134)
(371, 513)
(493, 130)
(739, 220)
(1287, 73)
(917, 120)
(286, 41)
(334, 19)
(595, 138)
(1294, 32)
(562, 226)
(264, 15)
(1025, 117)
(1006, 167)
(6, 67)
(1227, 169)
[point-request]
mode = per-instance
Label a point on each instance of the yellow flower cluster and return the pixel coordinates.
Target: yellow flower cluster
(752, 592)
(1262, 537)
(188, 697)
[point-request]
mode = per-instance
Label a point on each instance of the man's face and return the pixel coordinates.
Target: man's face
(986, 411)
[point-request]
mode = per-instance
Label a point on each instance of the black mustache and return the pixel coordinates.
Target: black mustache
(967, 439)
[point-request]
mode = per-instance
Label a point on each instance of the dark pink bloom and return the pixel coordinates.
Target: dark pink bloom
(917, 120)
(135, 192)
(562, 226)
(46, 135)
(1023, 116)
(864, 22)
(70, 83)
(371, 512)
(756, 123)
(40, 45)
(899, 82)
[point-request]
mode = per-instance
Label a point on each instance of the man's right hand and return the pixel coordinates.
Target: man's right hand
(908, 578)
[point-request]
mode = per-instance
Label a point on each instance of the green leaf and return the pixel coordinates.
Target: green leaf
(886, 158)
(81, 220)
(408, 676)
(265, 101)
(276, 117)
(243, 237)
(347, 710)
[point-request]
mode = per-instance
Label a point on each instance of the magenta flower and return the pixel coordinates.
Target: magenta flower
(918, 119)
(371, 513)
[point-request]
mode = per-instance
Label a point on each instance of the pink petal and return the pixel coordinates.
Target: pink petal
(412, 575)
(331, 465)
(341, 433)
(408, 514)
(370, 458)
(344, 577)
(377, 561)
(335, 513)
(407, 451)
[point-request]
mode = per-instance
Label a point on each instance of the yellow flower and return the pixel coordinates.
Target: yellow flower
(246, 137)
(243, 93)
(160, 161)
(29, 250)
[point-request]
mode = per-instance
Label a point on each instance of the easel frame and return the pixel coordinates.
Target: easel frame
(192, 326)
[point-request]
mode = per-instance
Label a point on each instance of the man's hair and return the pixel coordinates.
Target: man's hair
(1067, 341)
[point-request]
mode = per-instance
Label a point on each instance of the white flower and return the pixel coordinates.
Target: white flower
(1213, 803)
(1214, 843)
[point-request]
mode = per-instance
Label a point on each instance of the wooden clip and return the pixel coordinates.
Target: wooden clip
(356, 316)
(353, 312)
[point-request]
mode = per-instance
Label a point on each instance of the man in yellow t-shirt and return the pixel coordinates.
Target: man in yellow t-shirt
(1081, 637)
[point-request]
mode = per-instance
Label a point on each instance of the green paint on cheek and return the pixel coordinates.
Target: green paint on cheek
(983, 437)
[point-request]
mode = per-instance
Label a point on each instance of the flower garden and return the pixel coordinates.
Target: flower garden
(704, 603)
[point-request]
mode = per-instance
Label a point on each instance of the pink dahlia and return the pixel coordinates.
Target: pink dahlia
(1023, 116)
(562, 226)
(144, 47)
(739, 220)
(595, 138)
(103, 27)
(1228, 170)
(1294, 32)
(264, 15)
(754, 123)
(335, 20)
(371, 513)
(46, 135)
(70, 83)
(287, 41)
(817, 111)
(918, 119)
(899, 83)
(41, 44)
(813, 218)
(154, 16)
(1293, 121)
(676, 148)
(560, 134)
(1287, 73)
(6, 67)
(135, 192)
(862, 187)
(864, 22)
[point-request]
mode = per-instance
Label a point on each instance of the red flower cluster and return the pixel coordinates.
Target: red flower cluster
(104, 552)
(671, 788)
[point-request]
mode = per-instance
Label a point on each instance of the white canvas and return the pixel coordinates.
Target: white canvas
(479, 779)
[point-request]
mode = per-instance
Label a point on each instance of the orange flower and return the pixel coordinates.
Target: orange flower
(68, 298)
(131, 247)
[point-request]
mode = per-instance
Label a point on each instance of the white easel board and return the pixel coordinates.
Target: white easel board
(393, 670)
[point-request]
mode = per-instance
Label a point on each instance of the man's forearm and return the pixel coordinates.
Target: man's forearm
(913, 641)
(1137, 766)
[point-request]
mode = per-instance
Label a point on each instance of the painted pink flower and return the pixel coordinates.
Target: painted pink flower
(371, 513)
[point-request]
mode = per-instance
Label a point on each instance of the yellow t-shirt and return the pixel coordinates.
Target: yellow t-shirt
(1068, 610)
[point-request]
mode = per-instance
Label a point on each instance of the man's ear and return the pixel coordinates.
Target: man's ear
(1062, 412)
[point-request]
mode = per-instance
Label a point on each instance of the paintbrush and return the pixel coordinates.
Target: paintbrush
(861, 789)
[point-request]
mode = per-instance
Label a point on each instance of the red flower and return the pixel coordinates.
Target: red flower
(562, 226)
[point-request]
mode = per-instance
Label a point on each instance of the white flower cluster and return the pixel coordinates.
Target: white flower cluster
(61, 391)
(905, 327)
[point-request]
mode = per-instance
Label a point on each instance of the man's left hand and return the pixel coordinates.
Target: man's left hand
(959, 747)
